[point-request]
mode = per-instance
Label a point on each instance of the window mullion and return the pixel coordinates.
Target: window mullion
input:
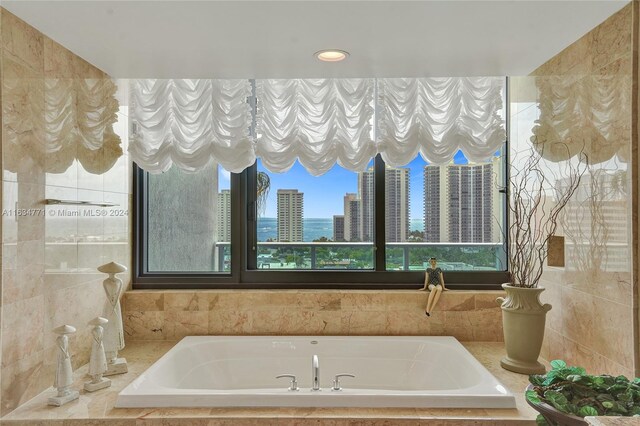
(248, 216)
(379, 214)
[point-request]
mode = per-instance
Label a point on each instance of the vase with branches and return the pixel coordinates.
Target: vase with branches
(538, 191)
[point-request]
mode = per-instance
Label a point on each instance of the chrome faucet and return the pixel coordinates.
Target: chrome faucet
(315, 373)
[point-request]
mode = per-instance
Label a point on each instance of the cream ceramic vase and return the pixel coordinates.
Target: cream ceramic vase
(523, 318)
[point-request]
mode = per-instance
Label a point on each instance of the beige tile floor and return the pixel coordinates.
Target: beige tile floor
(613, 421)
(97, 409)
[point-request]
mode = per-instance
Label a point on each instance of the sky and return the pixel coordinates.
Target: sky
(323, 195)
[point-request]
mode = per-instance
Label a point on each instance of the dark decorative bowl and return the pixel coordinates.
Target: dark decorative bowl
(555, 417)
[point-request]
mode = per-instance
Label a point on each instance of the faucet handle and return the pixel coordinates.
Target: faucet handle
(336, 381)
(294, 382)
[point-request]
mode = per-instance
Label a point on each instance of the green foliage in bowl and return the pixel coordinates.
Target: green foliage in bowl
(572, 391)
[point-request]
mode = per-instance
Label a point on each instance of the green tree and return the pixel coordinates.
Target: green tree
(322, 239)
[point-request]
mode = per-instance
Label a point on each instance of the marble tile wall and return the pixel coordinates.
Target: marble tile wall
(50, 253)
(592, 295)
(172, 315)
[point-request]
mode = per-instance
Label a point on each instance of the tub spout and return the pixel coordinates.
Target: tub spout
(315, 373)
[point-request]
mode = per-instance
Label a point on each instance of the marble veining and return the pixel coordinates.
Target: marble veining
(593, 293)
(173, 314)
(49, 254)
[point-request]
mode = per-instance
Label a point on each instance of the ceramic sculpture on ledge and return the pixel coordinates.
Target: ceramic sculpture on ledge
(98, 361)
(64, 370)
(113, 332)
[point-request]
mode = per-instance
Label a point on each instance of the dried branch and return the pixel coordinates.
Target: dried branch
(537, 195)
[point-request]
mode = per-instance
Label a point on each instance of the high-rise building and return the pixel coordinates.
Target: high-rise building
(338, 227)
(290, 211)
(352, 217)
(396, 204)
(462, 203)
(359, 209)
(224, 215)
(435, 199)
(367, 207)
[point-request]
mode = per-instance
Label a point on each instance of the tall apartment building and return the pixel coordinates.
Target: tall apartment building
(435, 199)
(462, 203)
(338, 227)
(396, 204)
(224, 215)
(367, 207)
(352, 217)
(359, 208)
(290, 212)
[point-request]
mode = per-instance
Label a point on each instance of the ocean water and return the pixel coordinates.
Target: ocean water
(416, 225)
(313, 228)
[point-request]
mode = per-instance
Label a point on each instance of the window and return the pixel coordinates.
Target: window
(258, 229)
(453, 212)
(187, 221)
(315, 223)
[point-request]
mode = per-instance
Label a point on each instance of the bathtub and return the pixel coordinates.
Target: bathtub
(240, 371)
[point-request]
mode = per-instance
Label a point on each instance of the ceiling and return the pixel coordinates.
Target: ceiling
(277, 39)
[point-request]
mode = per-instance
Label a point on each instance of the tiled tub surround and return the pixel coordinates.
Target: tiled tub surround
(387, 371)
(99, 406)
(592, 295)
(49, 256)
(172, 315)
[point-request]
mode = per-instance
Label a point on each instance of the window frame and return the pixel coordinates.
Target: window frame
(245, 275)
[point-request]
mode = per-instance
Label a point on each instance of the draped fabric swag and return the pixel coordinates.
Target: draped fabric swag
(319, 122)
(191, 122)
(436, 117)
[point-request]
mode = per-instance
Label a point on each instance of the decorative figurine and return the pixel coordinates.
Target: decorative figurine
(113, 332)
(434, 281)
(98, 361)
(64, 370)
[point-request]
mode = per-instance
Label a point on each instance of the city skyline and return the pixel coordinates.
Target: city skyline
(318, 205)
(358, 210)
(465, 215)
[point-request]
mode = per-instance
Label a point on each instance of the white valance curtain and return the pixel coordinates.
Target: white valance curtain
(319, 122)
(191, 122)
(437, 117)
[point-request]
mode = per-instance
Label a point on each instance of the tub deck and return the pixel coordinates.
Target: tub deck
(99, 406)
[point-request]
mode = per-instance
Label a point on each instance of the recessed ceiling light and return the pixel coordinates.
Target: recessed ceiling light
(331, 55)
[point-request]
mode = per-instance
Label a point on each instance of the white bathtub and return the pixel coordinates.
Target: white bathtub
(222, 371)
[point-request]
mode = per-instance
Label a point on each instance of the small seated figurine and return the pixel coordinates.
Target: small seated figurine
(434, 281)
